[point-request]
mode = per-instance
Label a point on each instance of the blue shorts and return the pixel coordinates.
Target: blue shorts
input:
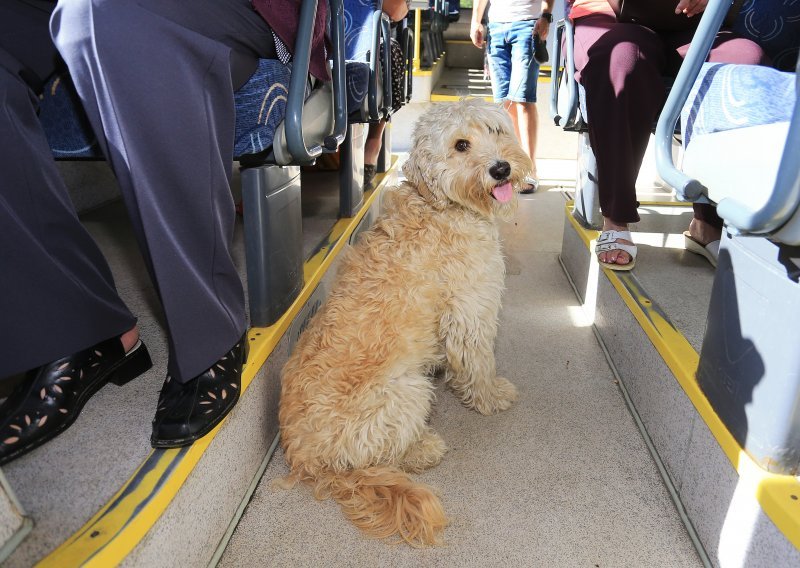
(512, 66)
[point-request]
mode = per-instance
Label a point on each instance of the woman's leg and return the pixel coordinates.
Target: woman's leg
(706, 226)
(166, 125)
(619, 66)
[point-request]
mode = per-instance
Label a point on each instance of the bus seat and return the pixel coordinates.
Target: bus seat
(568, 110)
(281, 124)
(735, 115)
(756, 288)
(369, 90)
(772, 24)
(751, 110)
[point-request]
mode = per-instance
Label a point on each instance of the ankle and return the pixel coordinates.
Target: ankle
(129, 338)
(704, 232)
(609, 225)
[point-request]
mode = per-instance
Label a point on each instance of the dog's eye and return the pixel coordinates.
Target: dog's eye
(462, 145)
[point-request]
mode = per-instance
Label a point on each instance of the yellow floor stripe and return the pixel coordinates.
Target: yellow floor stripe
(777, 494)
(121, 524)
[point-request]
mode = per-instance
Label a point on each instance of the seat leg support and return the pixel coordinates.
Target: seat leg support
(273, 228)
(351, 171)
(587, 198)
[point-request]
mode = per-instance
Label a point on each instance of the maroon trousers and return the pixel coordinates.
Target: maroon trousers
(621, 66)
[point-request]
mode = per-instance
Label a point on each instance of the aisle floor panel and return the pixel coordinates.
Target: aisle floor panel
(561, 479)
(462, 82)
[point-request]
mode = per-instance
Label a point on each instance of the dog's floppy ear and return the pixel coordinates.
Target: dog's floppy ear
(418, 170)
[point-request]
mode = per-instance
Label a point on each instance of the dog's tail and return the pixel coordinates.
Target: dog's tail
(383, 501)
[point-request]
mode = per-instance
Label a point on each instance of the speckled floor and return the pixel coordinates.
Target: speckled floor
(563, 478)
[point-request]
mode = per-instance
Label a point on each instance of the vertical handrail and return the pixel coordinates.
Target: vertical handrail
(386, 31)
(297, 86)
(417, 39)
(333, 141)
(374, 59)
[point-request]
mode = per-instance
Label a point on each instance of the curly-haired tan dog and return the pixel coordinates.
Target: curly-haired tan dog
(420, 290)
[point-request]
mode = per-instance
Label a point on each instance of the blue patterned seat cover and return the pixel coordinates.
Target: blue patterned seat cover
(357, 46)
(65, 124)
(729, 96)
(775, 26)
(260, 108)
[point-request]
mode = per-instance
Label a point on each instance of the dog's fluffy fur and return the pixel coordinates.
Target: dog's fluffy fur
(420, 290)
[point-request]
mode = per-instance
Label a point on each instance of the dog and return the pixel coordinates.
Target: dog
(419, 291)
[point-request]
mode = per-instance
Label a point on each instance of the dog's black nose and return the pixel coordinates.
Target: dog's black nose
(500, 170)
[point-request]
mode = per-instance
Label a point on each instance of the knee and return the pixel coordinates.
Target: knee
(748, 52)
(74, 21)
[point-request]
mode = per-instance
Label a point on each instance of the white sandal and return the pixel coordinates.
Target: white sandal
(532, 184)
(607, 241)
(710, 251)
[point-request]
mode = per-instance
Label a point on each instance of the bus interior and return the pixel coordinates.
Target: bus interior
(657, 422)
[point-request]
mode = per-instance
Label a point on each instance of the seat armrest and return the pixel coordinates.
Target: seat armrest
(300, 152)
(564, 31)
(380, 29)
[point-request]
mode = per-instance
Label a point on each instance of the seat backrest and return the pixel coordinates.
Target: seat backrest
(775, 26)
(261, 107)
(359, 24)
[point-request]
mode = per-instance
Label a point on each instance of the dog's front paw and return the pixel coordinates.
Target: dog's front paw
(497, 396)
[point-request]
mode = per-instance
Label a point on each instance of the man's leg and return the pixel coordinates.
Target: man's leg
(526, 125)
(522, 90)
(57, 295)
(155, 79)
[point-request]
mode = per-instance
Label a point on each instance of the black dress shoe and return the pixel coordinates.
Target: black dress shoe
(51, 397)
(188, 411)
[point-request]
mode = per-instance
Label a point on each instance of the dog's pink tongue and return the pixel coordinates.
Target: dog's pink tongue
(503, 193)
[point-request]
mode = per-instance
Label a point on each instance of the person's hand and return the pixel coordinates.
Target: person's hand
(477, 33)
(541, 28)
(691, 7)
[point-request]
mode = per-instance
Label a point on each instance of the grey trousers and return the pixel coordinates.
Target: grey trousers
(156, 78)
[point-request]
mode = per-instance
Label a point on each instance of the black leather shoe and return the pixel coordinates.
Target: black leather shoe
(51, 397)
(189, 411)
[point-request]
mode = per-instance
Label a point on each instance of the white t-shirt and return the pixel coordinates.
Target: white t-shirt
(514, 10)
